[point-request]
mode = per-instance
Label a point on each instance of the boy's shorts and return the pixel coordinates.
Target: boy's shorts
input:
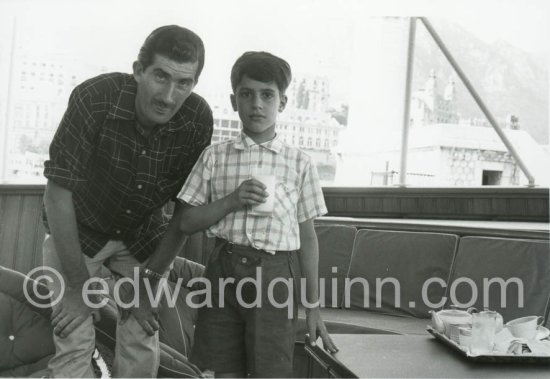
(238, 337)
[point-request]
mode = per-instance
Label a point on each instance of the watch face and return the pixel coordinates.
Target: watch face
(151, 274)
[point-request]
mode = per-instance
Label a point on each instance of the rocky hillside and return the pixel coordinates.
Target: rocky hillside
(509, 80)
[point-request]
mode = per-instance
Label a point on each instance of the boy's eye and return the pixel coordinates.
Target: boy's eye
(268, 95)
(244, 94)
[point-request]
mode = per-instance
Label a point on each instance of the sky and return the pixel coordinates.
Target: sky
(320, 37)
(314, 35)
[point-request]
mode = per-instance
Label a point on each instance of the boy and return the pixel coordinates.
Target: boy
(234, 339)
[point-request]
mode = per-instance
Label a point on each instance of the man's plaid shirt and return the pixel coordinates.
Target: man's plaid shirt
(120, 179)
(298, 196)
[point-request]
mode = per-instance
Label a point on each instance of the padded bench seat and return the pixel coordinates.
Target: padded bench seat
(414, 258)
(338, 321)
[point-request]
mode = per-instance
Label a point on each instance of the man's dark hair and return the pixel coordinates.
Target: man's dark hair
(263, 67)
(175, 43)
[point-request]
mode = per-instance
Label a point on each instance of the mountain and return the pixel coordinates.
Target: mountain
(509, 80)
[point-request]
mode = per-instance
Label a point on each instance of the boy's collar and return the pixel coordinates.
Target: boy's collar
(243, 142)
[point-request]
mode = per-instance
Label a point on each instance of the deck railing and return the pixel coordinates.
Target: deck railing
(22, 232)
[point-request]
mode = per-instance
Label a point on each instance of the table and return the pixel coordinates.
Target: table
(406, 356)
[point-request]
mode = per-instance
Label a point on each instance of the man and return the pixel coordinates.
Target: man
(124, 148)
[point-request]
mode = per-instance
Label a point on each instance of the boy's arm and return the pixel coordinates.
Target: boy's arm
(200, 217)
(309, 262)
(190, 219)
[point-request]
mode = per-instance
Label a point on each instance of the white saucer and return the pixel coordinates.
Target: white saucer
(542, 332)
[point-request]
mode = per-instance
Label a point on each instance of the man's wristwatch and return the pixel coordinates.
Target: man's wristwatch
(148, 273)
(313, 305)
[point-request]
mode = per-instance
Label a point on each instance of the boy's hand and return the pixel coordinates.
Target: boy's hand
(316, 328)
(250, 192)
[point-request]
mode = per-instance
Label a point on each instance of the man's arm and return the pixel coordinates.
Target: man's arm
(62, 223)
(63, 228)
(189, 220)
(309, 263)
(146, 314)
(170, 243)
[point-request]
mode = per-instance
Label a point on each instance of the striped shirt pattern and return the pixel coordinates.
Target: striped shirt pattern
(121, 177)
(298, 196)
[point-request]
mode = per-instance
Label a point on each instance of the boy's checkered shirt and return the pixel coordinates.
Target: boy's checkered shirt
(298, 196)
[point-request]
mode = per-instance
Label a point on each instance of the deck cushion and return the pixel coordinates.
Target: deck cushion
(395, 266)
(335, 248)
(506, 260)
(344, 321)
(25, 336)
(26, 342)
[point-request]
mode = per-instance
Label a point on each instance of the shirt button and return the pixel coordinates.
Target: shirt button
(244, 260)
(11, 338)
(128, 211)
(143, 152)
(117, 232)
(139, 186)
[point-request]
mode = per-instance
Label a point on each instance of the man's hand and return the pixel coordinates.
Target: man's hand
(144, 312)
(71, 312)
(316, 328)
(250, 192)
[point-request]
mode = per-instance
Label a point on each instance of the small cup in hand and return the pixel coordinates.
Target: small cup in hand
(266, 208)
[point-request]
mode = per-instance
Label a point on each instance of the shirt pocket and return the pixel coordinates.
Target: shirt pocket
(223, 185)
(286, 201)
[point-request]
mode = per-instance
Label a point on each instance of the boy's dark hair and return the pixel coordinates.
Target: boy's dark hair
(175, 43)
(263, 67)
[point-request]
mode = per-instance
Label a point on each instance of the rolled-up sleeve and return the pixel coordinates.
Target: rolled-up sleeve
(72, 144)
(312, 202)
(201, 141)
(204, 138)
(196, 190)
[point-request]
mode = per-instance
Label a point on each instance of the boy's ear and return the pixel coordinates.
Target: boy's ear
(282, 103)
(233, 102)
(137, 70)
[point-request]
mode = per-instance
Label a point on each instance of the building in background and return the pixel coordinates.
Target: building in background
(447, 150)
(40, 89)
(430, 106)
(453, 155)
(38, 93)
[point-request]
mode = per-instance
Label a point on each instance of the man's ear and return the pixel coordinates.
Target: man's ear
(233, 102)
(138, 70)
(282, 103)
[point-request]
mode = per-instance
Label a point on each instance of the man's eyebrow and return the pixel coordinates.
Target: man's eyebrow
(161, 71)
(261, 89)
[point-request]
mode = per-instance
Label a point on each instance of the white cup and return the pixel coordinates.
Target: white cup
(525, 327)
(484, 325)
(464, 336)
(265, 209)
